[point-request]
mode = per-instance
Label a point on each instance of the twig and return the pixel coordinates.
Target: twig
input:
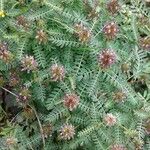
(10, 92)
(40, 125)
(14, 117)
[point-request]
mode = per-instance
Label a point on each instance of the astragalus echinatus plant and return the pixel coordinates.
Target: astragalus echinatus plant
(75, 74)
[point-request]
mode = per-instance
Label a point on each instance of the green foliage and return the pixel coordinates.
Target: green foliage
(47, 30)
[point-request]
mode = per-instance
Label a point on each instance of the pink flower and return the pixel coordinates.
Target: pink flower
(41, 36)
(145, 43)
(106, 58)
(118, 147)
(10, 141)
(110, 30)
(110, 119)
(29, 63)
(22, 21)
(24, 95)
(71, 101)
(113, 6)
(57, 72)
(67, 132)
(5, 54)
(82, 32)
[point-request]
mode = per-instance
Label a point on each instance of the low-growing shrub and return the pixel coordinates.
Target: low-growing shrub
(75, 74)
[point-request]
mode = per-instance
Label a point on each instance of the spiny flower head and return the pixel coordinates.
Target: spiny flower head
(24, 95)
(71, 101)
(21, 21)
(82, 32)
(57, 72)
(2, 13)
(14, 79)
(28, 113)
(41, 36)
(93, 14)
(113, 6)
(110, 30)
(143, 20)
(47, 130)
(119, 96)
(145, 43)
(67, 132)
(5, 54)
(92, 8)
(110, 119)
(117, 147)
(29, 64)
(106, 58)
(10, 141)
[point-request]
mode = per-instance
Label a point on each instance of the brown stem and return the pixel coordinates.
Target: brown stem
(40, 125)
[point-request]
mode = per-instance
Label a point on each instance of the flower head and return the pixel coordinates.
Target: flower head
(71, 101)
(14, 79)
(5, 54)
(106, 58)
(117, 147)
(92, 9)
(110, 30)
(24, 95)
(143, 20)
(110, 119)
(145, 43)
(21, 21)
(47, 130)
(113, 6)
(41, 36)
(57, 72)
(67, 132)
(119, 96)
(82, 32)
(93, 14)
(29, 64)
(28, 113)
(10, 141)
